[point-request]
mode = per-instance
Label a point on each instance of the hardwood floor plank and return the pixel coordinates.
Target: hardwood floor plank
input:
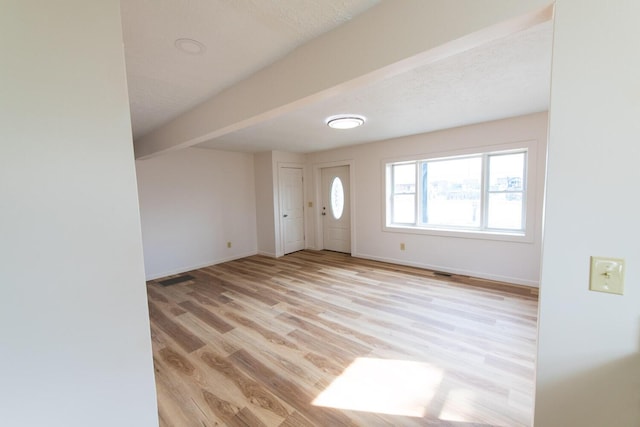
(325, 304)
(176, 361)
(206, 316)
(241, 288)
(224, 410)
(323, 348)
(290, 364)
(266, 333)
(182, 407)
(296, 420)
(210, 292)
(251, 389)
(253, 342)
(326, 335)
(185, 339)
(156, 296)
(202, 299)
(324, 363)
(341, 329)
(289, 391)
(246, 418)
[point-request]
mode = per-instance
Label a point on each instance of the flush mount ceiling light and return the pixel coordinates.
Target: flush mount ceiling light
(345, 121)
(190, 46)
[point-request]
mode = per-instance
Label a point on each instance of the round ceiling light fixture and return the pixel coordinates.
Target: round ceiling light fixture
(190, 46)
(345, 121)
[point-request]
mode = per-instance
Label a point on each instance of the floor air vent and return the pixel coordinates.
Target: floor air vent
(176, 280)
(442, 273)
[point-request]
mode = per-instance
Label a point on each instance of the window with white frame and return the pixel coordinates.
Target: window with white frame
(484, 192)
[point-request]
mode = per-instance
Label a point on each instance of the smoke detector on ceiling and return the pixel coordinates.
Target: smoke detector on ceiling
(190, 46)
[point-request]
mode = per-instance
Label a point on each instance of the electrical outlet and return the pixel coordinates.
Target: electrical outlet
(228, 244)
(402, 246)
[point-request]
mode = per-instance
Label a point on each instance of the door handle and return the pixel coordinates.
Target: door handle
(285, 215)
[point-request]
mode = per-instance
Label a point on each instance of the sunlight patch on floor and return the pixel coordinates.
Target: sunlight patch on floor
(459, 406)
(395, 387)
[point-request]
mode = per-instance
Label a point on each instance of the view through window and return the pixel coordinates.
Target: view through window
(482, 192)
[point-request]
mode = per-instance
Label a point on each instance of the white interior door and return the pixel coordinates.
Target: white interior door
(292, 209)
(336, 209)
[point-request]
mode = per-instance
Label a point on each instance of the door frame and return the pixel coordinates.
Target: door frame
(279, 232)
(317, 177)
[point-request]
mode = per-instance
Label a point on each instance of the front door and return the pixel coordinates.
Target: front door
(292, 209)
(336, 209)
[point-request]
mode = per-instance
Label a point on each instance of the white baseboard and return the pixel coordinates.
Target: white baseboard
(195, 267)
(269, 254)
(478, 274)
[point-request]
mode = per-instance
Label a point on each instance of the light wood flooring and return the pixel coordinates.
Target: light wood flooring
(255, 342)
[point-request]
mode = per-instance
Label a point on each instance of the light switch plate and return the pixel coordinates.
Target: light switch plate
(607, 275)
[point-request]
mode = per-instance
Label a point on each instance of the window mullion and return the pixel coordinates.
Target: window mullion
(416, 201)
(524, 190)
(392, 193)
(389, 180)
(395, 195)
(484, 197)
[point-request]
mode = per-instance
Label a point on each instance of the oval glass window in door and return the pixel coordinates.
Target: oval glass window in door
(337, 198)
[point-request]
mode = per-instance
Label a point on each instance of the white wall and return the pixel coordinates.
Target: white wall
(75, 347)
(192, 202)
(515, 262)
(589, 343)
(265, 203)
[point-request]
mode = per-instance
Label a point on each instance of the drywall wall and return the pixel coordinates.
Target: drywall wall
(265, 203)
(75, 346)
(588, 370)
(192, 202)
(515, 262)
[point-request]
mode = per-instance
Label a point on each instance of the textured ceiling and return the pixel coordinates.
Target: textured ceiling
(505, 78)
(241, 37)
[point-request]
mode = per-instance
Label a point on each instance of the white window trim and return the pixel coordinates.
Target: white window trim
(528, 209)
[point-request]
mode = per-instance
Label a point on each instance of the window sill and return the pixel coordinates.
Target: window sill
(504, 236)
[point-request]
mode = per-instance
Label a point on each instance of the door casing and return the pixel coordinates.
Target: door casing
(286, 220)
(318, 229)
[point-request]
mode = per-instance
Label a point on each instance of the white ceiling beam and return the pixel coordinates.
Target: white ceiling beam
(389, 39)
